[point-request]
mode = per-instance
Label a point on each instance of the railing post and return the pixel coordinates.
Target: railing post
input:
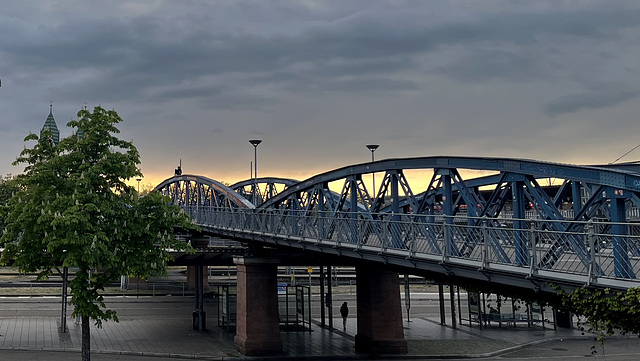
(619, 231)
(385, 233)
(592, 251)
(412, 241)
(392, 234)
(533, 263)
(290, 220)
(485, 242)
(321, 221)
(519, 224)
(273, 223)
(447, 239)
(359, 233)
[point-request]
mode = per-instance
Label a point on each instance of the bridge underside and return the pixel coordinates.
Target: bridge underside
(203, 258)
(491, 281)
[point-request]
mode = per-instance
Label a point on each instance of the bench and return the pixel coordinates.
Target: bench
(510, 318)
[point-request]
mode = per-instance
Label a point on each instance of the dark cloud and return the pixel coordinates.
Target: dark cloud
(588, 100)
(485, 65)
(129, 56)
(369, 85)
(180, 91)
(283, 70)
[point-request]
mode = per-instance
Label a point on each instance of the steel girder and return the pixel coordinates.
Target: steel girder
(263, 188)
(191, 191)
(506, 221)
(508, 194)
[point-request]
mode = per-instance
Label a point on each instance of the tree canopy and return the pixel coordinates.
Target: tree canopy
(606, 311)
(73, 208)
(8, 188)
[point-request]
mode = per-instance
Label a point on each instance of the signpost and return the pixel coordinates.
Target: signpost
(474, 307)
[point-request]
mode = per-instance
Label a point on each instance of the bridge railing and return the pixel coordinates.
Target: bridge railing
(632, 213)
(594, 249)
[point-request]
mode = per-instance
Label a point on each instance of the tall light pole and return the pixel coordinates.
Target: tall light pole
(372, 148)
(138, 179)
(255, 143)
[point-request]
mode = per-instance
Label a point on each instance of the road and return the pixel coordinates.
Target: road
(423, 306)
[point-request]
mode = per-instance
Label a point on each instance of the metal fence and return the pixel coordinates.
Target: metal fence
(594, 249)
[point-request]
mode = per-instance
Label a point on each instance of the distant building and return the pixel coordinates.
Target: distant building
(50, 124)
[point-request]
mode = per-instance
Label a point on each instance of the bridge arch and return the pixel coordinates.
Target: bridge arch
(500, 220)
(511, 190)
(505, 171)
(263, 188)
(192, 191)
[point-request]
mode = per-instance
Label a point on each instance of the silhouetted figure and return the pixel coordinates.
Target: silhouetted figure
(344, 312)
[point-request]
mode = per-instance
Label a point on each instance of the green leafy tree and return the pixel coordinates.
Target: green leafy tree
(8, 188)
(75, 210)
(606, 311)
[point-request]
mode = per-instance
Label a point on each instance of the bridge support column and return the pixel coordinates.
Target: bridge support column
(258, 325)
(191, 277)
(380, 329)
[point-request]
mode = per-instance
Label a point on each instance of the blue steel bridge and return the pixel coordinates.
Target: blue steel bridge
(501, 227)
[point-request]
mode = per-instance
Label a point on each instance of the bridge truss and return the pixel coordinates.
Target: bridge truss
(258, 190)
(479, 218)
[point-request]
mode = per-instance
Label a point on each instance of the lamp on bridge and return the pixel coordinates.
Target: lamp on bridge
(255, 143)
(372, 148)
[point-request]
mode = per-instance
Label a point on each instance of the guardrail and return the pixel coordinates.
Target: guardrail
(597, 250)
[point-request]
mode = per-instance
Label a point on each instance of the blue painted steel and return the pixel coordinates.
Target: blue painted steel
(519, 224)
(396, 236)
(497, 224)
(622, 265)
(216, 194)
(576, 196)
(256, 186)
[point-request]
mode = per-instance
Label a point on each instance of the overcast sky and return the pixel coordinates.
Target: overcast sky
(318, 80)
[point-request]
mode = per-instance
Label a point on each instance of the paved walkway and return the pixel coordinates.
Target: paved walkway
(161, 327)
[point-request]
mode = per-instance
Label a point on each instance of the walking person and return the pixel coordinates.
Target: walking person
(344, 312)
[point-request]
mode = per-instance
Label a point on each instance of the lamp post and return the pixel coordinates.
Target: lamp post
(255, 143)
(138, 179)
(372, 148)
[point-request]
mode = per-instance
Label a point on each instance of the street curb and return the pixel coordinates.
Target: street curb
(310, 357)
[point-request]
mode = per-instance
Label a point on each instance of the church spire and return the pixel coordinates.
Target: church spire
(51, 125)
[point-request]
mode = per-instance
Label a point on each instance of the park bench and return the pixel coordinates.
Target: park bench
(510, 318)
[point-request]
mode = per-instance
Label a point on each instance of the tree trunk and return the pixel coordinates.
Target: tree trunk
(65, 284)
(86, 339)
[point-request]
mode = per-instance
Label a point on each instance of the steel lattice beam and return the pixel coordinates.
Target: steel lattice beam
(504, 218)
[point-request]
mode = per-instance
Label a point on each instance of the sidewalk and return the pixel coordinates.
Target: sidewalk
(161, 327)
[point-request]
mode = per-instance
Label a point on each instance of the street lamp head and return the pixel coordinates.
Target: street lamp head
(138, 179)
(373, 147)
(255, 142)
